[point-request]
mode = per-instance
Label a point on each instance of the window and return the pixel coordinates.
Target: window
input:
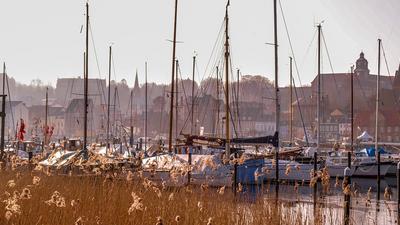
(396, 129)
(389, 129)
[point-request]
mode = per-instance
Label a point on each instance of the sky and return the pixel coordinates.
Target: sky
(41, 39)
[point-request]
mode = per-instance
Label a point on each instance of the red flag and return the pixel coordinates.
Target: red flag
(21, 130)
(51, 132)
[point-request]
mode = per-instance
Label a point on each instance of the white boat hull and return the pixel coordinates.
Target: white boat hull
(181, 180)
(371, 170)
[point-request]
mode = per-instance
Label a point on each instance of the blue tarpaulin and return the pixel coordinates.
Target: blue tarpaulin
(371, 151)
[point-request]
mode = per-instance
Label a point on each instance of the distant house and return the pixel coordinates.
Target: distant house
(68, 89)
(253, 121)
(74, 118)
(55, 119)
(329, 132)
(388, 124)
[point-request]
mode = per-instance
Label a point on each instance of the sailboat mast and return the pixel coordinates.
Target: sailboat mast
(109, 98)
(237, 100)
(162, 107)
(277, 106)
(319, 90)
(131, 120)
(86, 75)
(176, 99)
(4, 78)
(218, 106)
(377, 95)
(45, 116)
(227, 116)
(146, 105)
(352, 109)
(171, 114)
(193, 72)
(3, 115)
(114, 112)
(291, 101)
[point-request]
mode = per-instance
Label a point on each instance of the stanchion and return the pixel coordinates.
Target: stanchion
(347, 197)
(349, 165)
(315, 186)
(190, 164)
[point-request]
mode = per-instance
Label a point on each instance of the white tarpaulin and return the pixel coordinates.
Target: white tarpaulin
(204, 169)
(365, 137)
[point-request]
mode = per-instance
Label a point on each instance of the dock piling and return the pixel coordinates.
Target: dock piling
(378, 176)
(315, 189)
(190, 164)
(235, 175)
(347, 197)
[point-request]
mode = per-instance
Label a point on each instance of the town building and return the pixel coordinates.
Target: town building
(68, 89)
(74, 118)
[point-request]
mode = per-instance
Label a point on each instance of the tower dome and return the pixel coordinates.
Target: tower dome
(361, 66)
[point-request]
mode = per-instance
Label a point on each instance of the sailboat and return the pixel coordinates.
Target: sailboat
(224, 161)
(277, 165)
(365, 162)
(76, 153)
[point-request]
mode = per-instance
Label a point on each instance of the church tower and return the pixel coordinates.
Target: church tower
(396, 81)
(136, 88)
(361, 66)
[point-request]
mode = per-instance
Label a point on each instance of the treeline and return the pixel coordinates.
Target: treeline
(251, 89)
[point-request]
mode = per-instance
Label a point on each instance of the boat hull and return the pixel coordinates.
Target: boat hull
(259, 171)
(371, 170)
(181, 180)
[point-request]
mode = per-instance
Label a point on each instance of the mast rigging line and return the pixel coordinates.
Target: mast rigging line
(388, 71)
(296, 66)
(234, 94)
(291, 46)
(186, 98)
(219, 38)
(101, 88)
(183, 86)
(330, 63)
(386, 63)
(113, 66)
(9, 100)
(215, 58)
(70, 94)
(195, 100)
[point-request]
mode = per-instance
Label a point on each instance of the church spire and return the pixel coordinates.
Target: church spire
(136, 86)
(396, 81)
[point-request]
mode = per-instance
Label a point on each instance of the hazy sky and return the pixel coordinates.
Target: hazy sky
(41, 38)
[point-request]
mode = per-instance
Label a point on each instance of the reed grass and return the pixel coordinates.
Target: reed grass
(29, 196)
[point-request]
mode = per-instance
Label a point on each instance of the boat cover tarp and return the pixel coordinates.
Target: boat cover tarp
(274, 140)
(365, 137)
(201, 164)
(371, 151)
